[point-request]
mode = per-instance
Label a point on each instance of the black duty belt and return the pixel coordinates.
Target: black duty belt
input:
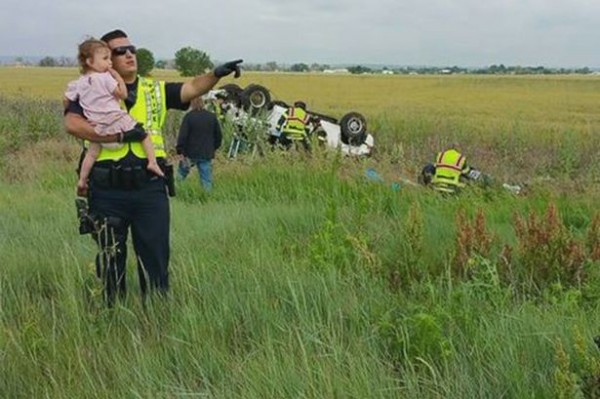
(121, 177)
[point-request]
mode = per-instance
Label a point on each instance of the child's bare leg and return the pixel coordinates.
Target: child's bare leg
(152, 164)
(86, 167)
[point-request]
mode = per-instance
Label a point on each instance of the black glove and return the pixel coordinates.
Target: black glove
(135, 134)
(227, 68)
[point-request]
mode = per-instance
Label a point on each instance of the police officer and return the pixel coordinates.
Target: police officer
(450, 166)
(123, 196)
(450, 172)
(294, 126)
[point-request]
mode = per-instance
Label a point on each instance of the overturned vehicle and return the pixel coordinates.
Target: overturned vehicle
(253, 107)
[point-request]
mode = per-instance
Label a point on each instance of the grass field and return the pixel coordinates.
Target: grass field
(511, 126)
(298, 277)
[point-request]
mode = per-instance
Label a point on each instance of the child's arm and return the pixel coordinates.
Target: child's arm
(76, 125)
(121, 90)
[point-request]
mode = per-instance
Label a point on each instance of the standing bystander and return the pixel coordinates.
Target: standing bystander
(199, 137)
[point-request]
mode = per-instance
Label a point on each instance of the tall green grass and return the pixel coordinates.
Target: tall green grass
(280, 295)
(300, 277)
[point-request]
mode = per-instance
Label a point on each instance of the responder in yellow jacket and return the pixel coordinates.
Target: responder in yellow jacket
(122, 196)
(449, 173)
(219, 107)
(294, 126)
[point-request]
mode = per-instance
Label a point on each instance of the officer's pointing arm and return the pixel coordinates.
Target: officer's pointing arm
(201, 84)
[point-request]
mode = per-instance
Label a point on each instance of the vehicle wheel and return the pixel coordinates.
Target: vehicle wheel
(354, 128)
(234, 93)
(255, 98)
(231, 88)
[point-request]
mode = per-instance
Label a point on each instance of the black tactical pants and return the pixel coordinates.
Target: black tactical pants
(143, 208)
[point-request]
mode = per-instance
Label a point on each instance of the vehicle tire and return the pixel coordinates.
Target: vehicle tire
(231, 88)
(234, 93)
(255, 98)
(353, 127)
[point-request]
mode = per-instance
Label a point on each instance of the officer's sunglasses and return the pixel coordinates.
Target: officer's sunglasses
(122, 50)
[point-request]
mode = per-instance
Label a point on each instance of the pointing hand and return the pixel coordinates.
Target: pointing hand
(228, 68)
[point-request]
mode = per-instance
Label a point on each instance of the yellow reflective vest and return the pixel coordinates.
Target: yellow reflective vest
(149, 109)
(218, 111)
(449, 167)
(295, 123)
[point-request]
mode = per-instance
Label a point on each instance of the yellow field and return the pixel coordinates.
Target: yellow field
(509, 124)
(567, 102)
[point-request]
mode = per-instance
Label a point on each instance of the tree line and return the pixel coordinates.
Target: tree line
(190, 61)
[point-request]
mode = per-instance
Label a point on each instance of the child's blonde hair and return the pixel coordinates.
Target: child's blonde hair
(86, 50)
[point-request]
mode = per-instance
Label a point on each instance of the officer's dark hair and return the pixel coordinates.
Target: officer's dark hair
(300, 104)
(113, 34)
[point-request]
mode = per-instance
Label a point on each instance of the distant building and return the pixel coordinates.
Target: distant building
(339, 70)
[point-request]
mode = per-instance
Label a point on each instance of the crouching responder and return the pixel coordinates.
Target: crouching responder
(450, 172)
(294, 126)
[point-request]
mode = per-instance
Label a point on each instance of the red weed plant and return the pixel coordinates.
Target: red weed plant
(472, 238)
(547, 251)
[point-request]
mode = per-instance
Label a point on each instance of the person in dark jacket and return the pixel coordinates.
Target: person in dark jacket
(199, 137)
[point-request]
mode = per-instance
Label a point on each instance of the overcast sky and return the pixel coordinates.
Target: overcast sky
(387, 32)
